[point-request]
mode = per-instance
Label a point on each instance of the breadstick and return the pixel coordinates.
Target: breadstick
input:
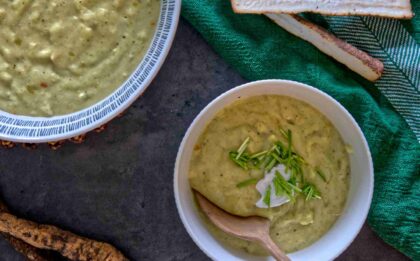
(52, 238)
(30, 252)
(345, 53)
(385, 8)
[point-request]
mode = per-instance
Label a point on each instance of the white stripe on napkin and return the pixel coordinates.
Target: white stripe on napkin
(387, 40)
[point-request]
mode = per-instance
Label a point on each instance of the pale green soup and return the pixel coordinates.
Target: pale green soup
(293, 225)
(60, 56)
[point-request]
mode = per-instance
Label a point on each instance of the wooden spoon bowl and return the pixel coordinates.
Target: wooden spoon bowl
(256, 229)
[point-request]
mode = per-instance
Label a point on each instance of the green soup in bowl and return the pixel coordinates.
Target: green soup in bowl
(321, 184)
(262, 121)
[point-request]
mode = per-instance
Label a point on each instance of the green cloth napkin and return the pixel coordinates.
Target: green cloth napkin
(258, 49)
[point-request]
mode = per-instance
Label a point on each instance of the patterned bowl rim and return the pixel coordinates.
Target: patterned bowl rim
(18, 128)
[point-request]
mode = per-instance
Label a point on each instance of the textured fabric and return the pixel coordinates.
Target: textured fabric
(258, 49)
(389, 41)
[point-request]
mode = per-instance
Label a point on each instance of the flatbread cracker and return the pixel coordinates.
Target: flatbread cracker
(345, 53)
(384, 8)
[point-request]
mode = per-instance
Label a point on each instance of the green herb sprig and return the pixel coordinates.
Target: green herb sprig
(240, 157)
(284, 187)
(266, 160)
(247, 183)
(242, 161)
(321, 174)
(310, 192)
(243, 147)
(267, 197)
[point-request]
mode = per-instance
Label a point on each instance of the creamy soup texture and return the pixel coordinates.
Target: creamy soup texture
(60, 56)
(294, 225)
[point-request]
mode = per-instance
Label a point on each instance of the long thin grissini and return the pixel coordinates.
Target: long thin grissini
(52, 238)
(30, 252)
(345, 53)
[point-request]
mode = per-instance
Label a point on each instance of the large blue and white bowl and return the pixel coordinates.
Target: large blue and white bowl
(40, 129)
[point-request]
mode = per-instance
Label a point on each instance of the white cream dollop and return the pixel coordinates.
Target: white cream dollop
(263, 184)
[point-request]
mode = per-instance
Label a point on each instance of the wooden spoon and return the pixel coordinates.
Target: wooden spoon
(248, 228)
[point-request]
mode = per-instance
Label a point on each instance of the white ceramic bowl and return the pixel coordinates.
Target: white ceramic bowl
(41, 129)
(339, 237)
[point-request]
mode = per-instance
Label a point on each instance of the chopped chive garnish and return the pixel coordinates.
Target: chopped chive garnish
(267, 197)
(243, 147)
(246, 183)
(297, 189)
(276, 157)
(287, 188)
(310, 192)
(321, 174)
(293, 184)
(280, 185)
(264, 162)
(271, 164)
(273, 148)
(258, 155)
(242, 161)
(279, 153)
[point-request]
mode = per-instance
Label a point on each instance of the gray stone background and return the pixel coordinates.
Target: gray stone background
(117, 186)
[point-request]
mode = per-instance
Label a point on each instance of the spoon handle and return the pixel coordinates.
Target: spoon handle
(275, 251)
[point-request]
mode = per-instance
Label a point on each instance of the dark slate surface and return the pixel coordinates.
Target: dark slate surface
(117, 186)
